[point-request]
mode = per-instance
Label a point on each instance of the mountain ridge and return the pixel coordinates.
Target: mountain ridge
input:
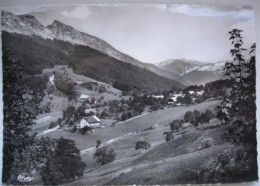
(38, 54)
(194, 72)
(29, 25)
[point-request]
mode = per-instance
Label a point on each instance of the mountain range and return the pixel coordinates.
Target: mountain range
(194, 72)
(29, 25)
(59, 44)
(181, 71)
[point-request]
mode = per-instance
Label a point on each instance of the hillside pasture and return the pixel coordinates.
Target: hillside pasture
(123, 137)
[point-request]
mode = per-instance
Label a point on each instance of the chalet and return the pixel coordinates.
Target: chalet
(83, 123)
(84, 98)
(91, 122)
(174, 97)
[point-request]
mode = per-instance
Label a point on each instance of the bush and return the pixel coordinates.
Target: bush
(104, 155)
(103, 115)
(151, 127)
(53, 124)
(188, 117)
(169, 136)
(102, 89)
(176, 125)
(230, 166)
(207, 116)
(98, 143)
(85, 129)
(205, 143)
(142, 145)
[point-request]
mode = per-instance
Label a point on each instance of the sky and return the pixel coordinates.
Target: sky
(153, 33)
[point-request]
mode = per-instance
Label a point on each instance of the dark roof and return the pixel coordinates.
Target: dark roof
(93, 119)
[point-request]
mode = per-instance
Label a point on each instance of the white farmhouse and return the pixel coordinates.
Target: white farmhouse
(91, 122)
(83, 123)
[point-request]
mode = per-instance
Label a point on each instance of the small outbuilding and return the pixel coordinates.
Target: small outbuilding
(84, 98)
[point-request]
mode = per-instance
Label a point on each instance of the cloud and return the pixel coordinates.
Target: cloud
(160, 6)
(80, 12)
(21, 10)
(200, 11)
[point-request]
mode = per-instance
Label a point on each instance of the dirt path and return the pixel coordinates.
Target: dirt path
(107, 143)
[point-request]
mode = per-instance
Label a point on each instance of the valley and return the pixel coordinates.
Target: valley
(78, 111)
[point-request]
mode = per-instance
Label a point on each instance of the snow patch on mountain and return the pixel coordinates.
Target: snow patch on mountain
(213, 67)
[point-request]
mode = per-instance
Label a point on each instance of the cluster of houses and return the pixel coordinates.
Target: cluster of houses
(91, 121)
(173, 100)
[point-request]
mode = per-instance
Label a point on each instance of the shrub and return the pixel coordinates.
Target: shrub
(169, 136)
(176, 125)
(102, 89)
(205, 143)
(206, 117)
(188, 117)
(232, 165)
(103, 115)
(104, 155)
(85, 129)
(98, 143)
(53, 124)
(142, 145)
(151, 127)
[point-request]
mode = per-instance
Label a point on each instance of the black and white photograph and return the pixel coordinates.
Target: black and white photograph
(123, 94)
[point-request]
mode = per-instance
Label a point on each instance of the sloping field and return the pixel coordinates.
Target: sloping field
(152, 166)
(168, 163)
(162, 118)
(182, 169)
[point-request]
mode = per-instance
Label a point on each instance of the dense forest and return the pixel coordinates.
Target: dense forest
(38, 53)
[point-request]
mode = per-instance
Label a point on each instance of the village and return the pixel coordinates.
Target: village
(96, 105)
(94, 96)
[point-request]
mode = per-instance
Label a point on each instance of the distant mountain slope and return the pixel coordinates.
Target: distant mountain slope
(39, 53)
(197, 77)
(29, 25)
(194, 72)
(179, 66)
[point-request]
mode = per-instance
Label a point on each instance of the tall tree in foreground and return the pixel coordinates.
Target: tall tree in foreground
(238, 164)
(242, 106)
(18, 113)
(64, 164)
(23, 153)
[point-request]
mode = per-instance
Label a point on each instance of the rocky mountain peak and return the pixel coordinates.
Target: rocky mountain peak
(29, 25)
(58, 25)
(5, 14)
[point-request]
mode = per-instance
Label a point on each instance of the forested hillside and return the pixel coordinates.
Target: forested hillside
(38, 53)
